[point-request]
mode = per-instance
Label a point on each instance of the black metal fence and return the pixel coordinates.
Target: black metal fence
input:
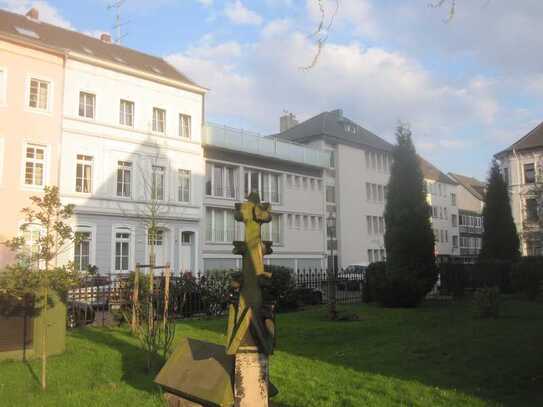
(106, 300)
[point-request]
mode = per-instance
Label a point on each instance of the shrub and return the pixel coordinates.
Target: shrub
(527, 277)
(493, 273)
(487, 302)
(369, 284)
(453, 278)
(282, 288)
(400, 287)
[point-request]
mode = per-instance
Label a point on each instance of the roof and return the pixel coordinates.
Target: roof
(335, 128)
(474, 186)
(51, 36)
(429, 171)
(534, 139)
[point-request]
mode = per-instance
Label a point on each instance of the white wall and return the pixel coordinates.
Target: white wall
(442, 199)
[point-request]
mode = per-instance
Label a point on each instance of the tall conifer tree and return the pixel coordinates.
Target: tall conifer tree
(500, 238)
(409, 238)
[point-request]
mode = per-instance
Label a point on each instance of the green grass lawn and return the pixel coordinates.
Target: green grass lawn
(436, 355)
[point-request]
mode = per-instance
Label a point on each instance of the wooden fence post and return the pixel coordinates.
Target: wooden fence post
(135, 297)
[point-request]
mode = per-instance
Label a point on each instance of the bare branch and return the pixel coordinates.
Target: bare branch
(322, 32)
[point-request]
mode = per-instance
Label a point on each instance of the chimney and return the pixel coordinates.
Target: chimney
(105, 37)
(287, 121)
(33, 14)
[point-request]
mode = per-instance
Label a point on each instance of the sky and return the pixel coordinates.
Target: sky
(468, 87)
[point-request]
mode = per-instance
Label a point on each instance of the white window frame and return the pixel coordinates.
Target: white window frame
(154, 173)
(185, 132)
(45, 163)
(184, 194)
(156, 121)
(123, 115)
(224, 180)
(91, 229)
(50, 89)
(131, 248)
(228, 235)
(92, 96)
(83, 162)
(122, 165)
(269, 231)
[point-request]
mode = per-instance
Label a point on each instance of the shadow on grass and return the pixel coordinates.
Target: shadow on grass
(438, 345)
(134, 361)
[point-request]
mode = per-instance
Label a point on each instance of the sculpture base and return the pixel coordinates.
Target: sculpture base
(251, 380)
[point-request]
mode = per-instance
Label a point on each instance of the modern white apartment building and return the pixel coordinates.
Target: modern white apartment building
(130, 143)
(356, 187)
(442, 196)
(521, 165)
(470, 202)
(287, 175)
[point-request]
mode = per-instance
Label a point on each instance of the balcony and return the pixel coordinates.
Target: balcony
(253, 143)
(475, 230)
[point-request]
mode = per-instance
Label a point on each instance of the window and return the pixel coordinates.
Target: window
(122, 252)
(453, 199)
(376, 255)
(441, 235)
(220, 181)
(370, 256)
(531, 210)
(373, 160)
(3, 87)
(290, 221)
(221, 225)
(124, 179)
(330, 193)
(383, 257)
(159, 120)
(185, 126)
(368, 224)
(380, 190)
(381, 225)
(35, 165)
(332, 159)
(455, 241)
(272, 230)
(126, 113)
(157, 187)
(82, 250)
(289, 181)
(375, 224)
(454, 221)
(445, 213)
(368, 191)
(367, 159)
(374, 192)
(39, 94)
(266, 184)
(83, 174)
(32, 234)
(183, 182)
(297, 221)
(313, 223)
(87, 105)
(157, 239)
(529, 173)
(379, 161)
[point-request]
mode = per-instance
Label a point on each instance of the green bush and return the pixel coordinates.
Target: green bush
(369, 284)
(527, 277)
(487, 302)
(400, 287)
(453, 278)
(282, 288)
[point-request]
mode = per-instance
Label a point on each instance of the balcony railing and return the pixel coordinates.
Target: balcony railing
(254, 143)
(476, 230)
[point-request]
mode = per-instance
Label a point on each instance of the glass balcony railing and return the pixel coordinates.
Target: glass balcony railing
(253, 143)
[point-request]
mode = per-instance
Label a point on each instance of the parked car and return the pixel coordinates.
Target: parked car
(308, 295)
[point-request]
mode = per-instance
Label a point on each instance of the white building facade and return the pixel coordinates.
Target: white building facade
(288, 176)
(131, 152)
(356, 189)
(522, 169)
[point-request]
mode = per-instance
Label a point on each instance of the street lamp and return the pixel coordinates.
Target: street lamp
(331, 232)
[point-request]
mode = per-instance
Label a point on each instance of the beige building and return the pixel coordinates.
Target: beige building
(31, 88)
(521, 165)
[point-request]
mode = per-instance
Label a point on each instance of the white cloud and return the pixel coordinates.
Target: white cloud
(205, 3)
(239, 14)
(251, 84)
(48, 13)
